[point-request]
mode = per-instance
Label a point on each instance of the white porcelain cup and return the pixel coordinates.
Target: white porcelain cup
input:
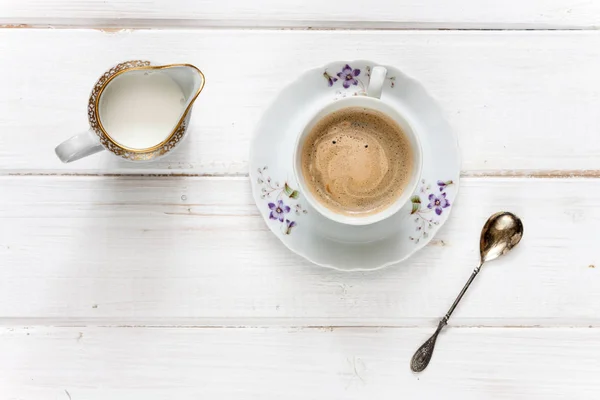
(370, 101)
(137, 111)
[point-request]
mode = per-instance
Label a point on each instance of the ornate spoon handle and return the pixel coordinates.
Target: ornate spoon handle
(422, 356)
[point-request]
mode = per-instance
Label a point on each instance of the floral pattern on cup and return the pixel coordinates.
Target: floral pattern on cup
(427, 213)
(283, 205)
(351, 77)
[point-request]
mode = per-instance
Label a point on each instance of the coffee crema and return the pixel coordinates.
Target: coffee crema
(356, 161)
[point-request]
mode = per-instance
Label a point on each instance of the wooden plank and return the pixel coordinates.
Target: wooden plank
(521, 102)
(353, 363)
(463, 14)
(195, 251)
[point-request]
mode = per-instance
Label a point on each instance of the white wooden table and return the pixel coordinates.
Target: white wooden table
(162, 281)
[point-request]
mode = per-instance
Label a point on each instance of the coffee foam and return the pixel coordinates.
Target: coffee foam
(356, 161)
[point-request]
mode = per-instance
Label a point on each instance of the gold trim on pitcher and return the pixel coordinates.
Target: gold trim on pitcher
(123, 151)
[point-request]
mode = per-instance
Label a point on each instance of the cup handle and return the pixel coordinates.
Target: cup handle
(79, 146)
(376, 82)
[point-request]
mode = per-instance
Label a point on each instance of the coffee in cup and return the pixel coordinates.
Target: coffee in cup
(358, 159)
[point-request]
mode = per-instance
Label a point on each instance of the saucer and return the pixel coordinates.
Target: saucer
(306, 232)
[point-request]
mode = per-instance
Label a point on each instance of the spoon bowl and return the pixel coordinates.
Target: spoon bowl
(499, 235)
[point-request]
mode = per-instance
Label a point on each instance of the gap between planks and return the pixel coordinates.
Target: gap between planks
(544, 174)
(111, 26)
(296, 327)
(290, 323)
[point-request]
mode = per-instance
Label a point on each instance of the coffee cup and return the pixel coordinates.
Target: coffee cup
(352, 184)
(137, 111)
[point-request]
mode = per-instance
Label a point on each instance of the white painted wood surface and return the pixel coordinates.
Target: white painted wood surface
(428, 14)
(122, 286)
(195, 251)
(520, 101)
(296, 363)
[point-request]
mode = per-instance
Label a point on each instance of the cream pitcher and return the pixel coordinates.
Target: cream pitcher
(137, 111)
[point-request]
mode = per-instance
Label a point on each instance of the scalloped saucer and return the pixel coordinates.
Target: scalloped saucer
(327, 243)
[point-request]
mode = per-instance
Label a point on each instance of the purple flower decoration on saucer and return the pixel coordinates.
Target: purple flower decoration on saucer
(330, 79)
(443, 185)
(348, 76)
(278, 210)
(439, 203)
(425, 224)
(288, 226)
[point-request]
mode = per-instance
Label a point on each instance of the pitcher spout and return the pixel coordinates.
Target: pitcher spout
(189, 78)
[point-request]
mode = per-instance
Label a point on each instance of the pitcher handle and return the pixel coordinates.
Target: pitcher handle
(376, 82)
(79, 146)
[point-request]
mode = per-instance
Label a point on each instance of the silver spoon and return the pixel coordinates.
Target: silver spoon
(499, 235)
